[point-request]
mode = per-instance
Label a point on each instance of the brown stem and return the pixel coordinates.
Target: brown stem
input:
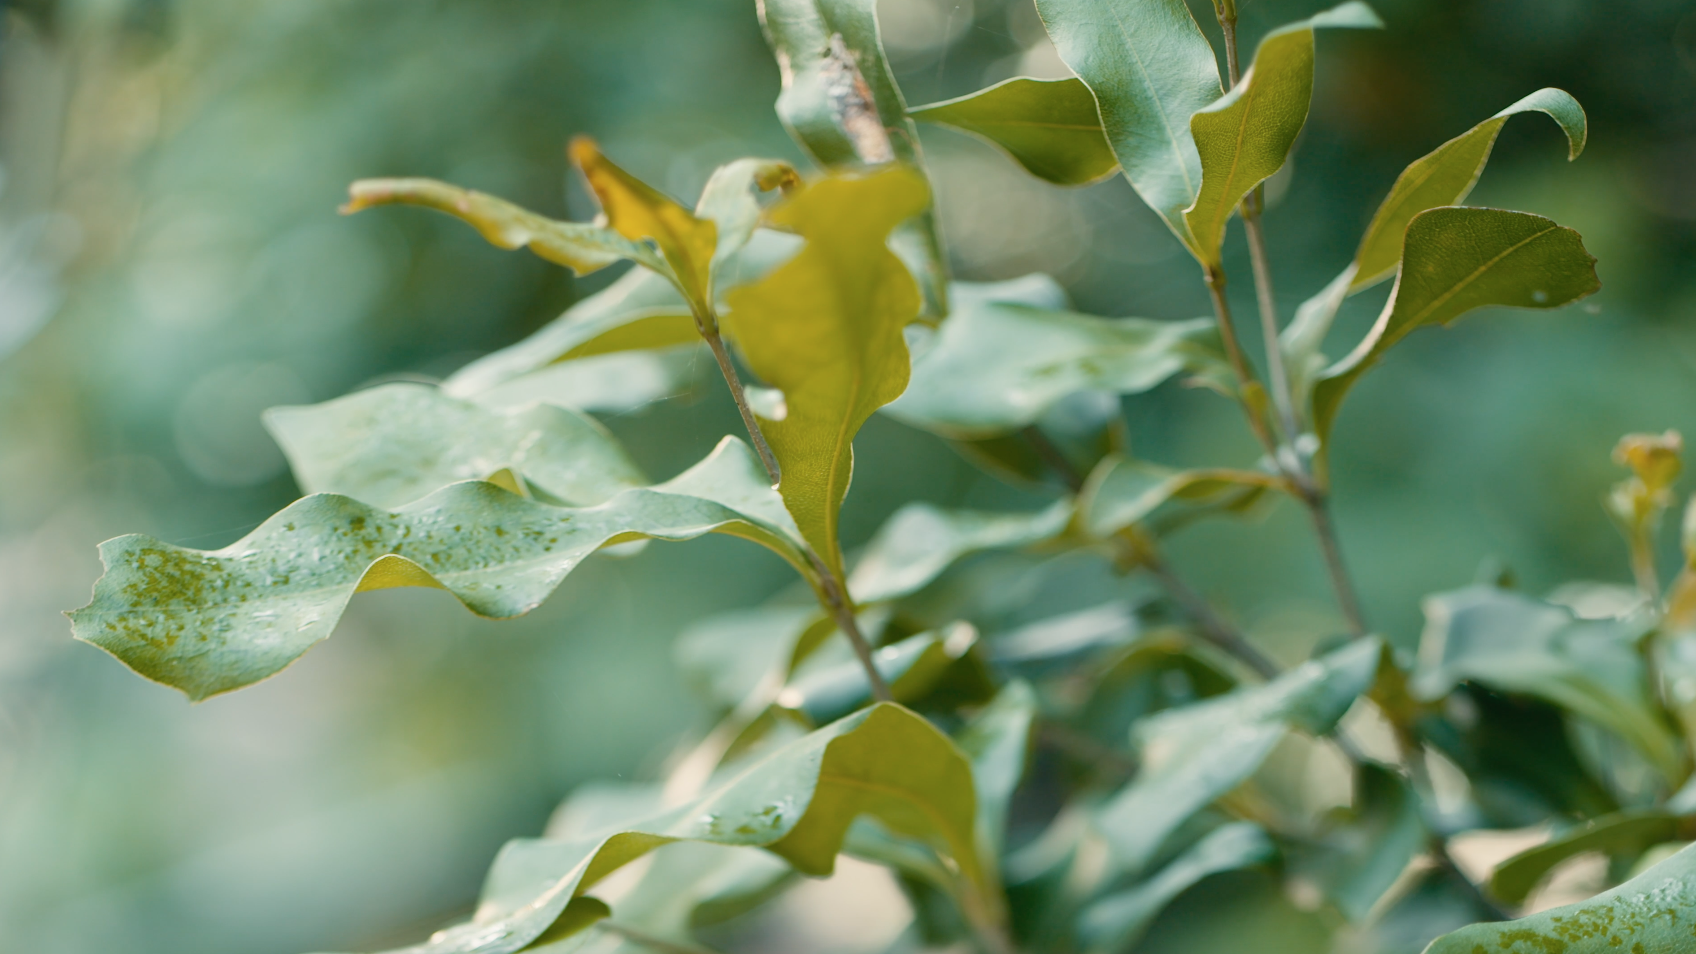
(1319, 510)
(835, 593)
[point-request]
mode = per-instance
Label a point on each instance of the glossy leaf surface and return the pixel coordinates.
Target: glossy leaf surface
(393, 444)
(1150, 69)
(1193, 755)
(995, 367)
(579, 247)
(1050, 127)
(796, 802)
(1446, 175)
(207, 622)
(1247, 135)
(1513, 643)
(920, 541)
(1458, 259)
(825, 328)
(1653, 912)
(1121, 491)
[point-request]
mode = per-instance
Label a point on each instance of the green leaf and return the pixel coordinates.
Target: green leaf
(826, 329)
(728, 655)
(1194, 755)
(832, 684)
(1050, 127)
(1246, 135)
(207, 622)
(1623, 833)
(391, 445)
(920, 541)
(1150, 69)
(841, 104)
(1458, 259)
(1446, 175)
(579, 247)
(997, 741)
(619, 383)
(995, 367)
(1114, 922)
(729, 201)
(1122, 491)
(796, 802)
(1653, 912)
(1513, 643)
(1363, 851)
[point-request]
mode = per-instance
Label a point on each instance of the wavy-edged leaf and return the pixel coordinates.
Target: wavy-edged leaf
(796, 802)
(1114, 922)
(1050, 127)
(1654, 913)
(207, 622)
(393, 444)
(579, 247)
(920, 541)
(1122, 491)
(1514, 643)
(840, 102)
(1446, 175)
(995, 367)
(1457, 259)
(1630, 832)
(1246, 135)
(825, 328)
(1194, 755)
(1150, 69)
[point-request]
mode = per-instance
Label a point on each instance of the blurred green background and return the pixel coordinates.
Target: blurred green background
(171, 263)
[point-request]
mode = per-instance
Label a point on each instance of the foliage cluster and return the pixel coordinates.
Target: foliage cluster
(1052, 787)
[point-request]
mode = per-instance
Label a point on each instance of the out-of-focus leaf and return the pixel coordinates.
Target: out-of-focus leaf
(1150, 69)
(1653, 912)
(997, 741)
(1514, 643)
(393, 444)
(994, 367)
(1246, 135)
(796, 802)
(1364, 851)
(207, 622)
(1050, 127)
(826, 330)
(1114, 922)
(617, 383)
(1302, 339)
(727, 655)
(920, 541)
(638, 211)
(1063, 638)
(728, 200)
(1193, 755)
(1437, 902)
(1157, 673)
(1456, 260)
(827, 689)
(1446, 175)
(572, 930)
(841, 104)
(1121, 491)
(692, 884)
(579, 247)
(1628, 833)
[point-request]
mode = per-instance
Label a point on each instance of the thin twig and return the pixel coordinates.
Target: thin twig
(1054, 457)
(1246, 383)
(1213, 629)
(1278, 378)
(835, 594)
(1318, 506)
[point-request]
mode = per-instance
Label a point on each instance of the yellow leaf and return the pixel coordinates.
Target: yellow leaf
(826, 330)
(638, 211)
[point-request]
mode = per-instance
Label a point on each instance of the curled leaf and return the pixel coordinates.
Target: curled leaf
(1050, 127)
(638, 211)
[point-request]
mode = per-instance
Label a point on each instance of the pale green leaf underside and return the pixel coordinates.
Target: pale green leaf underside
(997, 741)
(1121, 491)
(920, 541)
(1446, 175)
(1654, 913)
(1115, 921)
(825, 328)
(1513, 643)
(1457, 259)
(393, 444)
(1247, 135)
(796, 802)
(1619, 833)
(207, 622)
(1194, 755)
(1050, 127)
(994, 367)
(1150, 69)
